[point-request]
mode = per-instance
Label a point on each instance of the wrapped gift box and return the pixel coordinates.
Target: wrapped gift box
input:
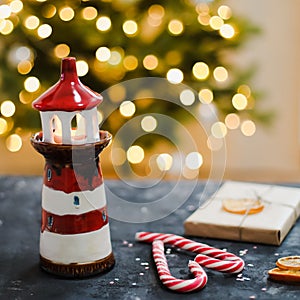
(270, 226)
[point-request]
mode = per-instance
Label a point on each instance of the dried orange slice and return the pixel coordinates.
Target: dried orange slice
(289, 263)
(243, 206)
(284, 275)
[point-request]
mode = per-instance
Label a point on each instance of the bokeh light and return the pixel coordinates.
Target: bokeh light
(103, 23)
(135, 154)
(175, 27)
(150, 62)
(82, 68)
(216, 22)
(16, 6)
(7, 108)
(103, 54)
(239, 101)
(32, 22)
(187, 97)
(206, 96)
(200, 70)
(248, 128)
(164, 161)
(31, 84)
(194, 160)
(66, 13)
(118, 156)
(224, 12)
(220, 74)
(227, 31)
(3, 126)
(148, 123)
(232, 121)
(61, 50)
(130, 27)
(175, 76)
(7, 27)
(127, 108)
(44, 31)
(89, 13)
(130, 62)
(219, 130)
(14, 143)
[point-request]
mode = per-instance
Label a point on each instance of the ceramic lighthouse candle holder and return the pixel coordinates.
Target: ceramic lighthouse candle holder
(75, 236)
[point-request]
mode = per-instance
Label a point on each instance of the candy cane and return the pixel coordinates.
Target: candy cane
(219, 260)
(178, 285)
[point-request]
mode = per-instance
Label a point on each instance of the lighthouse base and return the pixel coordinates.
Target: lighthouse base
(78, 270)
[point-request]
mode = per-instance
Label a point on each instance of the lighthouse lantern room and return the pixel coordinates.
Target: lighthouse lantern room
(69, 109)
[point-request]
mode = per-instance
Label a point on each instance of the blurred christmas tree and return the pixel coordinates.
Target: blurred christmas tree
(116, 40)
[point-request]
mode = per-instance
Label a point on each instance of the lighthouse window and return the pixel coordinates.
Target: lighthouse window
(49, 174)
(74, 122)
(76, 201)
(50, 221)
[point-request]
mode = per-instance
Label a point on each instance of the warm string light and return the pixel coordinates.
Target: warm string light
(116, 57)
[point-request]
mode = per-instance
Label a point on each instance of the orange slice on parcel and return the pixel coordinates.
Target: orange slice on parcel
(289, 263)
(243, 206)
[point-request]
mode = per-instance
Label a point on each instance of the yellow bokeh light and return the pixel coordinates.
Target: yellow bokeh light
(130, 27)
(224, 12)
(200, 70)
(219, 130)
(32, 22)
(232, 121)
(248, 128)
(44, 31)
(5, 11)
(216, 22)
(187, 97)
(7, 27)
(115, 58)
(164, 161)
(13, 143)
(103, 54)
(175, 76)
(26, 97)
(156, 11)
(89, 13)
(66, 13)
(204, 20)
(16, 6)
(130, 62)
(220, 74)
(127, 108)
(49, 11)
(202, 8)
(206, 96)
(103, 23)
(227, 31)
(245, 90)
(149, 123)
(24, 67)
(117, 93)
(194, 160)
(82, 68)
(150, 62)
(135, 154)
(175, 27)
(239, 101)
(61, 50)
(118, 156)
(7, 108)
(31, 84)
(3, 126)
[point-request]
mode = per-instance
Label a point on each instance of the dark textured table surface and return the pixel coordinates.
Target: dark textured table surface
(134, 275)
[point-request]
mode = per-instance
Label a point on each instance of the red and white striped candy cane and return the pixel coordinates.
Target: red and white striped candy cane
(178, 285)
(208, 256)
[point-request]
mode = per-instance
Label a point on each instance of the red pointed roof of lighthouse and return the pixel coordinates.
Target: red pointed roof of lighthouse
(68, 94)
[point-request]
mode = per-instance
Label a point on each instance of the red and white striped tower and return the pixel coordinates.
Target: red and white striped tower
(75, 236)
